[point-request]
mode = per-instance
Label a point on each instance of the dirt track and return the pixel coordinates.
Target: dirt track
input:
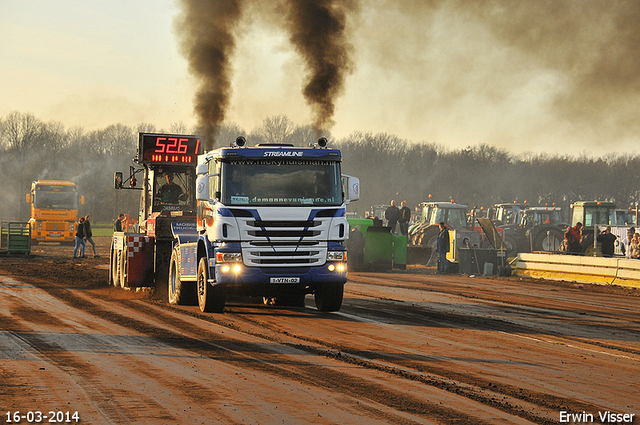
(410, 347)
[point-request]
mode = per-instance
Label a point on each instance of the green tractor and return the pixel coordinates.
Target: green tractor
(591, 214)
(423, 235)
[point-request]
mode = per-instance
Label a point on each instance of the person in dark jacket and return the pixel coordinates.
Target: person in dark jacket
(443, 248)
(78, 250)
(405, 216)
(88, 234)
(392, 214)
(608, 241)
(117, 225)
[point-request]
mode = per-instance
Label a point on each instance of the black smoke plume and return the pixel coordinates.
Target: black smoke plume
(206, 31)
(318, 31)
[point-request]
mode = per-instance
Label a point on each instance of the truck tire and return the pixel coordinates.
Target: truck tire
(115, 268)
(183, 293)
(328, 296)
(211, 299)
(122, 266)
(163, 251)
(111, 274)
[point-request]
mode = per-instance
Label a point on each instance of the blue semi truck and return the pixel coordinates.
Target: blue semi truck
(271, 223)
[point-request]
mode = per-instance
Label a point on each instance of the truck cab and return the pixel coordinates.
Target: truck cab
(166, 167)
(54, 211)
(271, 223)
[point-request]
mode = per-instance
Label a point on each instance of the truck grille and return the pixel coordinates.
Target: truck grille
(285, 243)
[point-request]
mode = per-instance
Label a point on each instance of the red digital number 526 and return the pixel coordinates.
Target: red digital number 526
(171, 145)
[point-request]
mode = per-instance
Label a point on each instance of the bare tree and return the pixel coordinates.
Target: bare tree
(276, 129)
(227, 133)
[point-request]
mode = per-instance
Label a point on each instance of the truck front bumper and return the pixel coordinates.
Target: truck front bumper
(238, 274)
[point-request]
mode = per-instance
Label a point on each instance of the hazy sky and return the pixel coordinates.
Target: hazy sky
(542, 76)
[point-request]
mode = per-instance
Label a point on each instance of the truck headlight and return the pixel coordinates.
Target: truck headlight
(226, 268)
(228, 257)
(337, 256)
(339, 267)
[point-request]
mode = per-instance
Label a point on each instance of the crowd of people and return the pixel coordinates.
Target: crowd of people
(629, 246)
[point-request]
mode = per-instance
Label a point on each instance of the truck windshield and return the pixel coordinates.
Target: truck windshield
(173, 189)
(55, 197)
(281, 182)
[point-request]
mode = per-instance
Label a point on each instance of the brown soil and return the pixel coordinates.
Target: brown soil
(407, 347)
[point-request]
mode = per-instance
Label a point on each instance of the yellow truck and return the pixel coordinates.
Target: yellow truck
(54, 211)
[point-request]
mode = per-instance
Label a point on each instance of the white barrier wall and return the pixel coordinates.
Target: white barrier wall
(617, 270)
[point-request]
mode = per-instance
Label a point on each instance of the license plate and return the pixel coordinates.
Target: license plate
(54, 235)
(284, 280)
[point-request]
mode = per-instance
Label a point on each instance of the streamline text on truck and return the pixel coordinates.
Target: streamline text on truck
(271, 223)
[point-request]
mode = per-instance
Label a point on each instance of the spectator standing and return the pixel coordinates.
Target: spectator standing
(443, 248)
(405, 217)
(392, 214)
(608, 240)
(573, 236)
(117, 225)
(626, 242)
(78, 249)
(634, 247)
(88, 234)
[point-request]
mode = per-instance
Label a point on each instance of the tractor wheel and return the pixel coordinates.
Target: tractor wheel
(211, 299)
(511, 245)
(432, 244)
(548, 240)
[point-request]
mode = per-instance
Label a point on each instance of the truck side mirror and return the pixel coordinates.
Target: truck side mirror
(351, 187)
(82, 200)
(202, 169)
(28, 198)
(202, 188)
(117, 180)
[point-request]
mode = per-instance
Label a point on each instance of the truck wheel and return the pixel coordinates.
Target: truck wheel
(211, 299)
(115, 268)
(328, 296)
(111, 274)
(122, 265)
(179, 292)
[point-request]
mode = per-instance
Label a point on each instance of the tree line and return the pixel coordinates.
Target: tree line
(388, 167)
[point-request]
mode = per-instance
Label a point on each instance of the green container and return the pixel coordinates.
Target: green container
(378, 248)
(369, 247)
(400, 252)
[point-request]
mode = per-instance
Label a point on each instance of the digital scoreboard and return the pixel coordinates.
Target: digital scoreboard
(169, 149)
